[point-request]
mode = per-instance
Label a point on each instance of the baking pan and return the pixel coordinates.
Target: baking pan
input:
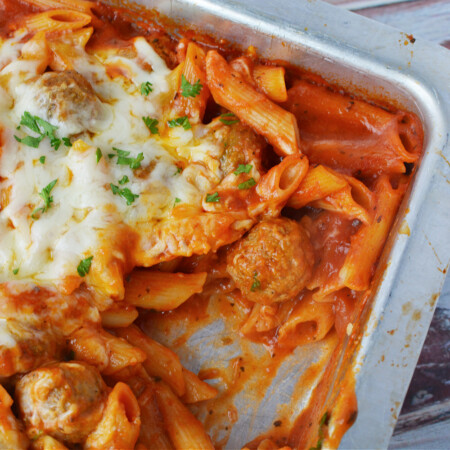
(375, 61)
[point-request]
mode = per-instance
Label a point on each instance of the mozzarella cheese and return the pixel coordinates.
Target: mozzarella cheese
(49, 248)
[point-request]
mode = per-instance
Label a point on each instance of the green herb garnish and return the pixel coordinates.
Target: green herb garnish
(213, 198)
(98, 154)
(48, 200)
(256, 283)
(146, 88)
(323, 421)
(42, 159)
(188, 89)
(84, 266)
(124, 159)
(180, 122)
(151, 124)
(231, 120)
(66, 142)
(243, 168)
(125, 193)
(124, 180)
(247, 184)
(15, 271)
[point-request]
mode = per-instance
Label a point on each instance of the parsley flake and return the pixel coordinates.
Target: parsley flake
(247, 184)
(124, 159)
(188, 89)
(125, 193)
(180, 122)
(42, 159)
(67, 142)
(213, 198)
(177, 200)
(146, 88)
(84, 266)
(256, 283)
(124, 180)
(98, 154)
(229, 118)
(151, 124)
(15, 271)
(48, 200)
(243, 168)
(179, 170)
(41, 127)
(323, 421)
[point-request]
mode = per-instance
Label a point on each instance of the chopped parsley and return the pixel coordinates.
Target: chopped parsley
(98, 154)
(243, 168)
(229, 118)
(48, 200)
(323, 421)
(42, 159)
(124, 159)
(180, 122)
(247, 184)
(84, 266)
(177, 200)
(151, 124)
(146, 88)
(66, 142)
(125, 193)
(213, 198)
(124, 180)
(179, 170)
(256, 283)
(188, 89)
(42, 128)
(15, 271)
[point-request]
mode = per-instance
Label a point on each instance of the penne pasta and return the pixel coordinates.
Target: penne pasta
(162, 291)
(196, 389)
(270, 79)
(78, 5)
(184, 430)
(47, 443)
(153, 434)
(120, 424)
(253, 108)
(57, 20)
(119, 316)
(160, 362)
(367, 243)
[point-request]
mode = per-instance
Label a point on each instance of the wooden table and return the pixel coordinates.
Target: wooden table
(424, 422)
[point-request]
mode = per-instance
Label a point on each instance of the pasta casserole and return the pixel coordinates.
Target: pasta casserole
(153, 181)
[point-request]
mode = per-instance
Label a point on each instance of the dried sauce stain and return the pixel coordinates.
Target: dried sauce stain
(406, 308)
(417, 315)
(404, 228)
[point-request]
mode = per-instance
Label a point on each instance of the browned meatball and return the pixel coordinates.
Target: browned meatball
(64, 400)
(273, 262)
(68, 101)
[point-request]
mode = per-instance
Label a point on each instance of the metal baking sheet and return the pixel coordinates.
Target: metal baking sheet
(364, 57)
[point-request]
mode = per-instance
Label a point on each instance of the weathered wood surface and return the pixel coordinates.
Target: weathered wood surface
(424, 422)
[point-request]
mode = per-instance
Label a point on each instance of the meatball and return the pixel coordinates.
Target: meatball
(64, 400)
(273, 262)
(67, 100)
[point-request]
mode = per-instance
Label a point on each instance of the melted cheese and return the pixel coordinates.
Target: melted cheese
(84, 207)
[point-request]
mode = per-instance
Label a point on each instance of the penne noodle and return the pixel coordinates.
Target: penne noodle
(253, 108)
(162, 291)
(37, 49)
(184, 430)
(196, 389)
(11, 434)
(367, 243)
(161, 362)
(308, 321)
(318, 183)
(120, 424)
(153, 434)
(278, 184)
(101, 349)
(57, 20)
(78, 5)
(352, 135)
(271, 81)
(119, 316)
